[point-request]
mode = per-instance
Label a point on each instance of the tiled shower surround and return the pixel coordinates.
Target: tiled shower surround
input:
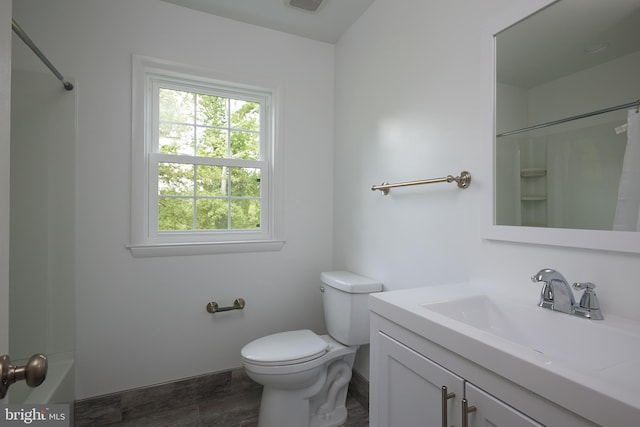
(226, 399)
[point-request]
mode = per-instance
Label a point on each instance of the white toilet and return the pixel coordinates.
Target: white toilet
(305, 376)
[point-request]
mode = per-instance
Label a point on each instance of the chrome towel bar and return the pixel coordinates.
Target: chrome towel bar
(213, 307)
(463, 181)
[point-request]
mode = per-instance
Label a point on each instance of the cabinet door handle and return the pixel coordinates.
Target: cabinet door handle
(445, 397)
(466, 409)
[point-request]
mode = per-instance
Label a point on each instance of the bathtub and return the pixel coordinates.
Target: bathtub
(58, 387)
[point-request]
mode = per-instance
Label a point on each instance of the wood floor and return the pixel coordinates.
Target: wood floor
(229, 399)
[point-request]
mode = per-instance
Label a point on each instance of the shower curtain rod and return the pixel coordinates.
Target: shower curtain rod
(572, 118)
(25, 38)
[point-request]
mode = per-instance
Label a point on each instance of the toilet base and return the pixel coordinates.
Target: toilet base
(283, 409)
(319, 403)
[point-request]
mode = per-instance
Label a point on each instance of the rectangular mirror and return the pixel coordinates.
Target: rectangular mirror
(567, 143)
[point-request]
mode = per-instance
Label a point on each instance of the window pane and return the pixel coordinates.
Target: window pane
(245, 182)
(175, 179)
(245, 145)
(245, 115)
(212, 142)
(175, 214)
(176, 139)
(212, 180)
(212, 214)
(212, 110)
(217, 129)
(176, 106)
(245, 214)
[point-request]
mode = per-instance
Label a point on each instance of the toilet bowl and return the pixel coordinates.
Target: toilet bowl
(305, 375)
(296, 392)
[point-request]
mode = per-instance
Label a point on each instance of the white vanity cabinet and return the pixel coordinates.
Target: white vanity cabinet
(415, 391)
(407, 375)
(489, 411)
(410, 392)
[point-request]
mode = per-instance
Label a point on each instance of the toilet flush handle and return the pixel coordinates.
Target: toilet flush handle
(322, 289)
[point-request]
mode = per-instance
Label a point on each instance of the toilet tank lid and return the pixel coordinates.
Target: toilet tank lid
(350, 282)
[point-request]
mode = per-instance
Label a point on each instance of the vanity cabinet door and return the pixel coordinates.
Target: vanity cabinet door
(493, 412)
(410, 388)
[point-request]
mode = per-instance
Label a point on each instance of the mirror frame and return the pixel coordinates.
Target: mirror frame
(618, 241)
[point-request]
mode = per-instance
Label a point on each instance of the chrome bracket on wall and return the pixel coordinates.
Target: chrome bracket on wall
(213, 307)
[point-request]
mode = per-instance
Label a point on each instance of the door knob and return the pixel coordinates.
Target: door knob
(34, 372)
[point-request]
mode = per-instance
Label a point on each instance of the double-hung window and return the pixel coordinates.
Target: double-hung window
(205, 166)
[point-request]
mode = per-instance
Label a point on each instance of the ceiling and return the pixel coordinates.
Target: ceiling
(327, 24)
(549, 45)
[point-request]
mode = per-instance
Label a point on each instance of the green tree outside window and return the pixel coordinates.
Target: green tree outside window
(198, 195)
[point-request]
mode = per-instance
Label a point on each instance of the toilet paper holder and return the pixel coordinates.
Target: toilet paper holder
(213, 306)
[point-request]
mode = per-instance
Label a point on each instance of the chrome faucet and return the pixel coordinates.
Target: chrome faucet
(556, 295)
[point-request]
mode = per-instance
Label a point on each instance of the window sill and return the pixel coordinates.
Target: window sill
(204, 248)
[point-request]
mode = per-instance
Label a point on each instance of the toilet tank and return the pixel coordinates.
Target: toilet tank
(345, 301)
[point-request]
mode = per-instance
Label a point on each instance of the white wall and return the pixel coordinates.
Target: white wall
(414, 100)
(143, 321)
(43, 145)
(617, 83)
(5, 120)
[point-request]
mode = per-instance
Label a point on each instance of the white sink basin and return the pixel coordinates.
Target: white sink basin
(558, 337)
(590, 367)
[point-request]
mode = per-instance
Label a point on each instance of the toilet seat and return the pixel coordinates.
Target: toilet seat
(285, 348)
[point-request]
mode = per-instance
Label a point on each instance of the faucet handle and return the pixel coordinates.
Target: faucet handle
(589, 306)
(546, 293)
(587, 286)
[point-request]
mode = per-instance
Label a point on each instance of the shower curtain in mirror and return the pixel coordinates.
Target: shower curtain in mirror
(628, 208)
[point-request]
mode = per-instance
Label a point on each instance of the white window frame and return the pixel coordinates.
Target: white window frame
(146, 241)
